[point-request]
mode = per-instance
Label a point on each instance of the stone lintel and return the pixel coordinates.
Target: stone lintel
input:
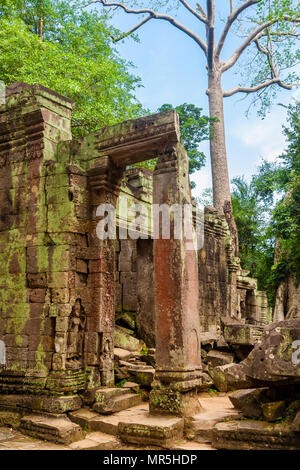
(137, 140)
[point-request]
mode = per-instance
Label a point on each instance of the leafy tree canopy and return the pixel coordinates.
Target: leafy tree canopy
(261, 218)
(194, 128)
(74, 58)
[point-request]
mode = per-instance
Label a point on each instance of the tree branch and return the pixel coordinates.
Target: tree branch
(252, 36)
(157, 16)
(194, 12)
(231, 19)
(199, 7)
(132, 30)
(260, 86)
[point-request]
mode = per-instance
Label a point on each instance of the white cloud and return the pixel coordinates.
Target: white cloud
(263, 136)
(202, 178)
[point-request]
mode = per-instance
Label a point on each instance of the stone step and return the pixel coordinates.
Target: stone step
(105, 394)
(118, 403)
(56, 429)
(96, 441)
(191, 445)
(83, 418)
(143, 376)
(215, 410)
(89, 420)
(146, 429)
(132, 386)
(100, 394)
(109, 423)
(254, 435)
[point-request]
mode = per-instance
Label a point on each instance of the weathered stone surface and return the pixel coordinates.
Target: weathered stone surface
(231, 377)
(254, 435)
(143, 376)
(208, 338)
(126, 319)
(215, 409)
(118, 403)
(83, 417)
(273, 411)
(178, 348)
(168, 401)
(145, 292)
(122, 354)
(40, 403)
(218, 358)
(147, 430)
(96, 441)
(207, 382)
(60, 430)
(10, 418)
(242, 334)
(272, 360)
(125, 341)
(250, 401)
(132, 386)
(296, 423)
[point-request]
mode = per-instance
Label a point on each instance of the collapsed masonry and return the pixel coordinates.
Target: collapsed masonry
(62, 287)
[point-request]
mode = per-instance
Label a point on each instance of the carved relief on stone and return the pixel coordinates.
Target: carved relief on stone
(106, 359)
(75, 340)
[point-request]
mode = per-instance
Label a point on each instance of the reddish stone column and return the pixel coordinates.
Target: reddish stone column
(104, 182)
(178, 359)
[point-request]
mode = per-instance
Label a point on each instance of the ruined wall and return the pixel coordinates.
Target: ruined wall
(225, 290)
(54, 313)
(31, 123)
(213, 272)
(57, 277)
(287, 305)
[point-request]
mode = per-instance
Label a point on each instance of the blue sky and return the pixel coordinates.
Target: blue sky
(172, 69)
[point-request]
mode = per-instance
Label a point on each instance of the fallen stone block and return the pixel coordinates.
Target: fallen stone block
(218, 358)
(119, 403)
(231, 377)
(131, 386)
(125, 341)
(56, 429)
(242, 334)
(122, 354)
(152, 430)
(83, 418)
(249, 401)
(96, 441)
(273, 411)
(254, 435)
(143, 376)
(296, 423)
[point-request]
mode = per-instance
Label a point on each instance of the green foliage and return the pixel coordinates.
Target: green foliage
(144, 351)
(277, 53)
(121, 383)
(260, 219)
(256, 244)
(205, 198)
(75, 58)
(194, 128)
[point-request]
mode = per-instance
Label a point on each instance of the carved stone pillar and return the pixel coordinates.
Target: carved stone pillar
(104, 181)
(178, 359)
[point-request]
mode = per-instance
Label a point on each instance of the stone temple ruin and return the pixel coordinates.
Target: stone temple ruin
(80, 315)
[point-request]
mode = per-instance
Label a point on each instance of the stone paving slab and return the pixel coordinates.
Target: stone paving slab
(96, 441)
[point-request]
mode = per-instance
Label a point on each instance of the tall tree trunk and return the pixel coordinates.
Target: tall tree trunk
(220, 175)
(41, 28)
